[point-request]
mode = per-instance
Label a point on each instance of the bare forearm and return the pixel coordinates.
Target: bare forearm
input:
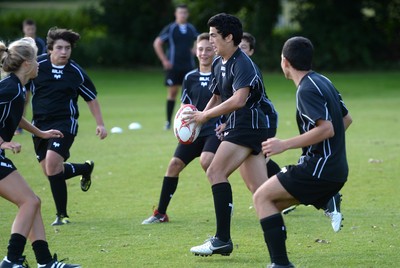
(94, 107)
(323, 131)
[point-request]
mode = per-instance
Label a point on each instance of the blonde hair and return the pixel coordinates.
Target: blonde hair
(11, 58)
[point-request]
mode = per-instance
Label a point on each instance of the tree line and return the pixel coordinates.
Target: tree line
(357, 34)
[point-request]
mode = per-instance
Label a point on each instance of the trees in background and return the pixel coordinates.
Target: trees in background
(362, 34)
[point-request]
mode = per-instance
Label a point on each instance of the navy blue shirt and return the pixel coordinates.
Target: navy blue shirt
(55, 93)
(12, 99)
(240, 72)
(195, 91)
(180, 39)
(317, 99)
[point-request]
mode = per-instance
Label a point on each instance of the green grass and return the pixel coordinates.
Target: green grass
(106, 228)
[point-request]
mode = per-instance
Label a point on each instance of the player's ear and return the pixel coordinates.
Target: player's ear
(229, 38)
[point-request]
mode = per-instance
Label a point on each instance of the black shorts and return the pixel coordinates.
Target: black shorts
(6, 167)
(175, 77)
(309, 190)
(58, 145)
(188, 152)
(251, 138)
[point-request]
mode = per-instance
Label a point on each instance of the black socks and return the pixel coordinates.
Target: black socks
(60, 195)
(16, 247)
(168, 189)
(170, 109)
(222, 193)
(42, 252)
(275, 238)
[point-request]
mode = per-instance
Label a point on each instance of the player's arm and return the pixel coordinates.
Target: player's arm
(237, 101)
(25, 124)
(322, 131)
(158, 48)
(347, 120)
(94, 108)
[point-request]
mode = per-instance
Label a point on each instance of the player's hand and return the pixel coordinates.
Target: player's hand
(220, 131)
(101, 131)
(52, 133)
(15, 147)
(167, 64)
(273, 146)
(197, 117)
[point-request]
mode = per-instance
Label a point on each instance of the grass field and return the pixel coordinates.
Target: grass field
(106, 228)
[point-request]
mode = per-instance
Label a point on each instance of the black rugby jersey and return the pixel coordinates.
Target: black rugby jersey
(316, 99)
(239, 72)
(180, 39)
(195, 91)
(55, 93)
(12, 99)
(271, 115)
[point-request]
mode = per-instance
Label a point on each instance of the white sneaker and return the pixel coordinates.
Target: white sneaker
(213, 246)
(333, 212)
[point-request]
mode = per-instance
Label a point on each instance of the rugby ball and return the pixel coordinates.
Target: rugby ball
(185, 133)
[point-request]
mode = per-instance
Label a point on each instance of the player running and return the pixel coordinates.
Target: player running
(196, 92)
(237, 88)
(55, 105)
(19, 59)
(322, 169)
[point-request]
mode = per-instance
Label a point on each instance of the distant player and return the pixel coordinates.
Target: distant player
(194, 91)
(29, 30)
(322, 169)
(179, 60)
(55, 95)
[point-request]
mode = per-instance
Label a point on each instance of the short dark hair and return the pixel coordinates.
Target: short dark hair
(249, 38)
(203, 36)
(299, 52)
(227, 24)
(182, 6)
(28, 22)
(55, 34)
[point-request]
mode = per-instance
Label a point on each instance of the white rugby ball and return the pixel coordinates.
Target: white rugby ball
(185, 133)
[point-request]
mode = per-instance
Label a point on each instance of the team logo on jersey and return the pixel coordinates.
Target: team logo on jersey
(223, 71)
(4, 164)
(56, 144)
(57, 73)
(204, 81)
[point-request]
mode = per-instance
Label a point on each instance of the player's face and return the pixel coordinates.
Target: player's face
(61, 52)
(29, 30)
(218, 43)
(181, 15)
(205, 53)
(245, 47)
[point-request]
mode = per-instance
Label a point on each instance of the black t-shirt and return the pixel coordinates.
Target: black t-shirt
(12, 99)
(317, 98)
(180, 39)
(195, 91)
(55, 93)
(240, 72)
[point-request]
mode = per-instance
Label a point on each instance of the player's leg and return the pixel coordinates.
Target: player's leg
(184, 154)
(228, 158)
(172, 92)
(269, 200)
(253, 171)
(209, 149)
(15, 189)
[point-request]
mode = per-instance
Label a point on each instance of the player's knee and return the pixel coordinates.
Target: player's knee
(175, 166)
(205, 161)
